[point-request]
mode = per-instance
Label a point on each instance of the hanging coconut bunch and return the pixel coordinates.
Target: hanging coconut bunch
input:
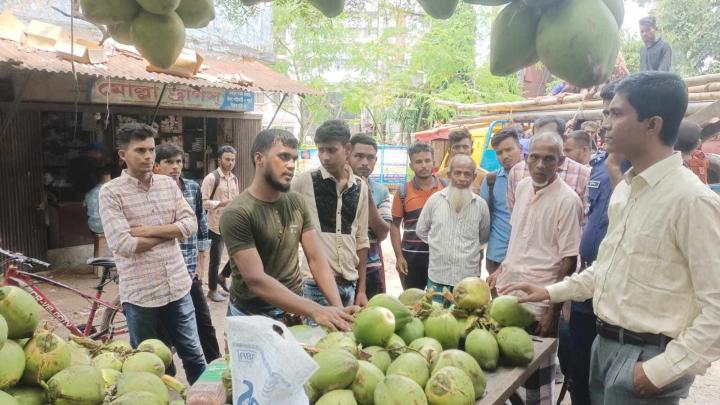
(155, 27)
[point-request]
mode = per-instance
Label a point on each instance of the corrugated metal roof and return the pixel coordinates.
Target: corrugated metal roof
(122, 65)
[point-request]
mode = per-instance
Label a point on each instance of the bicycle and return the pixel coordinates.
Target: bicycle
(110, 323)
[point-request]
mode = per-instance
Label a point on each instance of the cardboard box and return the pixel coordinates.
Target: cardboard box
(11, 27)
(43, 36)
(84, 51)
(187, 65)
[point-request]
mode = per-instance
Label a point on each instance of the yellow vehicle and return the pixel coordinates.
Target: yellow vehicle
(482, 154)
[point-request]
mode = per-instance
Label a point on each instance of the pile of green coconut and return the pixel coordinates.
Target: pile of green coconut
(39, 367)
(411, 350)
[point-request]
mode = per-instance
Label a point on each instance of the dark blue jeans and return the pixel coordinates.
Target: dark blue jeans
(178, 318)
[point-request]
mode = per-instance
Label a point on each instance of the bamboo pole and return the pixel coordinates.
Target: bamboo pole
(705, 88)
(704, 79)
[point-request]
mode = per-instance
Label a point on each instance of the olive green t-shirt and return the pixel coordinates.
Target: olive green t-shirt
(274, 229)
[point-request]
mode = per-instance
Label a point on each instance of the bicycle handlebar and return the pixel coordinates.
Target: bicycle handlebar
(20, 258)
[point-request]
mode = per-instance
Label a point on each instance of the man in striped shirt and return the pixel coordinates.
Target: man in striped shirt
(144, 215)
(455, 223)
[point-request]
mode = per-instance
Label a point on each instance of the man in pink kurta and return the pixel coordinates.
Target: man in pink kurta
(544, 244)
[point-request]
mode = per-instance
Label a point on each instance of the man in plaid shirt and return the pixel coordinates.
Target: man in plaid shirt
(169, 162)
(144, 215)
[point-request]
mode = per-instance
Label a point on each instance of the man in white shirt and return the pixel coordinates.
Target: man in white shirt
(455, 223)
(655, 284)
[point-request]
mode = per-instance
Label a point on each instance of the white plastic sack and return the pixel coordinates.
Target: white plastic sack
(267, 368)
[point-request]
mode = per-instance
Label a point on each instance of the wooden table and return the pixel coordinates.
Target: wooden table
(504, 381)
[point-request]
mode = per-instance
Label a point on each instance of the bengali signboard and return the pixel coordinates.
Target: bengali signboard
(176, 95)
(391, 167)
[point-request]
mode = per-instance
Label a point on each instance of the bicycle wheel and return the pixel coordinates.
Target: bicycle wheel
(112, 322)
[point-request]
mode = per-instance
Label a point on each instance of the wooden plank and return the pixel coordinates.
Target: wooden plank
(504, 381)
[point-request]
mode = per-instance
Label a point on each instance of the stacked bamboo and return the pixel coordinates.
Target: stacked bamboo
(703, 90)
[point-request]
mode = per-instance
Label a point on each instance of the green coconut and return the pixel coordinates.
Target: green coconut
(440, 9)
(20, 310)
(367, 378)
(516, 346)
(400, 311)
(442, 326)
(413, 330)
(118, 346)
(541, 5)
(399, 390)
(121, 33)
(12, 359)
(137, 398)
(144, 361)
(374, 326)
(135, 381)
(329, 8)
(312, 393)
(340, 341)
(22, 342)
(378, 356)
(196, 13)
(159, 348)
(7, 399)
(337, 397)
(450, 385)
(309, 335)
(488, 2)
(411, 365)
(512, 39)
(471, 293)
(77, 385)
(428, 347)
(109, 11)
(79, 356)
(160, 7)
(109, 376)
(483, 346)
(395, 346)
(465, 362)
(508, 312)
(617, 8)
(29, 395)
(411, 296)
(110, 360)
(159, 38)
(3, 331)
(337, 370)
(46, 354)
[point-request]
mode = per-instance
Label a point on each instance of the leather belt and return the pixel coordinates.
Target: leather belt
(623, 336)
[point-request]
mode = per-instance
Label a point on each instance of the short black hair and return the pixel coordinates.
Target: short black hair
(225, 149)
(364, 139)
(688, 136)
(267, 137)
(333, 131)
(648, 21)
(167, 151)
(133, 131)
(580, 137)
(420, 147)
(550, 119)
(506, 133)
(608, 91)
(710, 131)
(660, 94)
(458, 134)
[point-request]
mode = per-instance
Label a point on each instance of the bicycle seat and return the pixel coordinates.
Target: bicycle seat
(107, 262)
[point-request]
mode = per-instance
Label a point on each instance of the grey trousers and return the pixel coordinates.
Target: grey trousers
(612, 368)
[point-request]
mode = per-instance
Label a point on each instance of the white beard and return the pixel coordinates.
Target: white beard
(458, 197)
(540, 185)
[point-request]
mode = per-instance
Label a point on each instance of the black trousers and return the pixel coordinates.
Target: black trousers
(216, 248)
(582, 335)
(206, 330)
(417, 276)
(374, 284)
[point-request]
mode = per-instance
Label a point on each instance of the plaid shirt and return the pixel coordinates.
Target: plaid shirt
(156, 277)
(573, 173)
(199, 241)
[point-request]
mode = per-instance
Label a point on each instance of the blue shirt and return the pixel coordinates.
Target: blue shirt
(200, 240)
(499, 217)
(93, 210)
(381, 197)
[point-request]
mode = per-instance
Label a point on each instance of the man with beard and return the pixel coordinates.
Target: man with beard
(543, 245)
(455, 223)
(363, 157)
(655, 281)
(412, 255)
(262, 228)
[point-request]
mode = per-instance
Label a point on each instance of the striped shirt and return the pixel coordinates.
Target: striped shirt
(158, 276)
(455, 240)
(199, 241)
(571, 172)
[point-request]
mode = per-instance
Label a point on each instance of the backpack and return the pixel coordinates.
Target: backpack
(491, 177)
(402, 192)
(216, 174)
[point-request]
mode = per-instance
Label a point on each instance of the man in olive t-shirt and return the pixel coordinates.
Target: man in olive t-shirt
(262, 228)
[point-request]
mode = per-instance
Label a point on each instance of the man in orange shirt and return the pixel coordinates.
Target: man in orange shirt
(411, 253)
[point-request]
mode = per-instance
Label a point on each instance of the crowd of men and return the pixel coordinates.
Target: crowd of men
(624, 233)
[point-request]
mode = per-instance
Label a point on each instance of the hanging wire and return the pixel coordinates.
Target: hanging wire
(76, 86)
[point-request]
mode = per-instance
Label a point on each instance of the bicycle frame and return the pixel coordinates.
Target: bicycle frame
(16, 277)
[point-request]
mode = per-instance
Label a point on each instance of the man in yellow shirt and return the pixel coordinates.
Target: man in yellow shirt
(461, 143)
(655, 284)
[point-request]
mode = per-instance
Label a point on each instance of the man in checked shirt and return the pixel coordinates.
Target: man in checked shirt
(144, 215)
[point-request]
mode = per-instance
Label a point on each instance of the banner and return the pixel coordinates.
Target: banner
(176, 95)
(391, 166)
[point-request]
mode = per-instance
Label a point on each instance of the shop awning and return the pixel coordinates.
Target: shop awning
(216, 72)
